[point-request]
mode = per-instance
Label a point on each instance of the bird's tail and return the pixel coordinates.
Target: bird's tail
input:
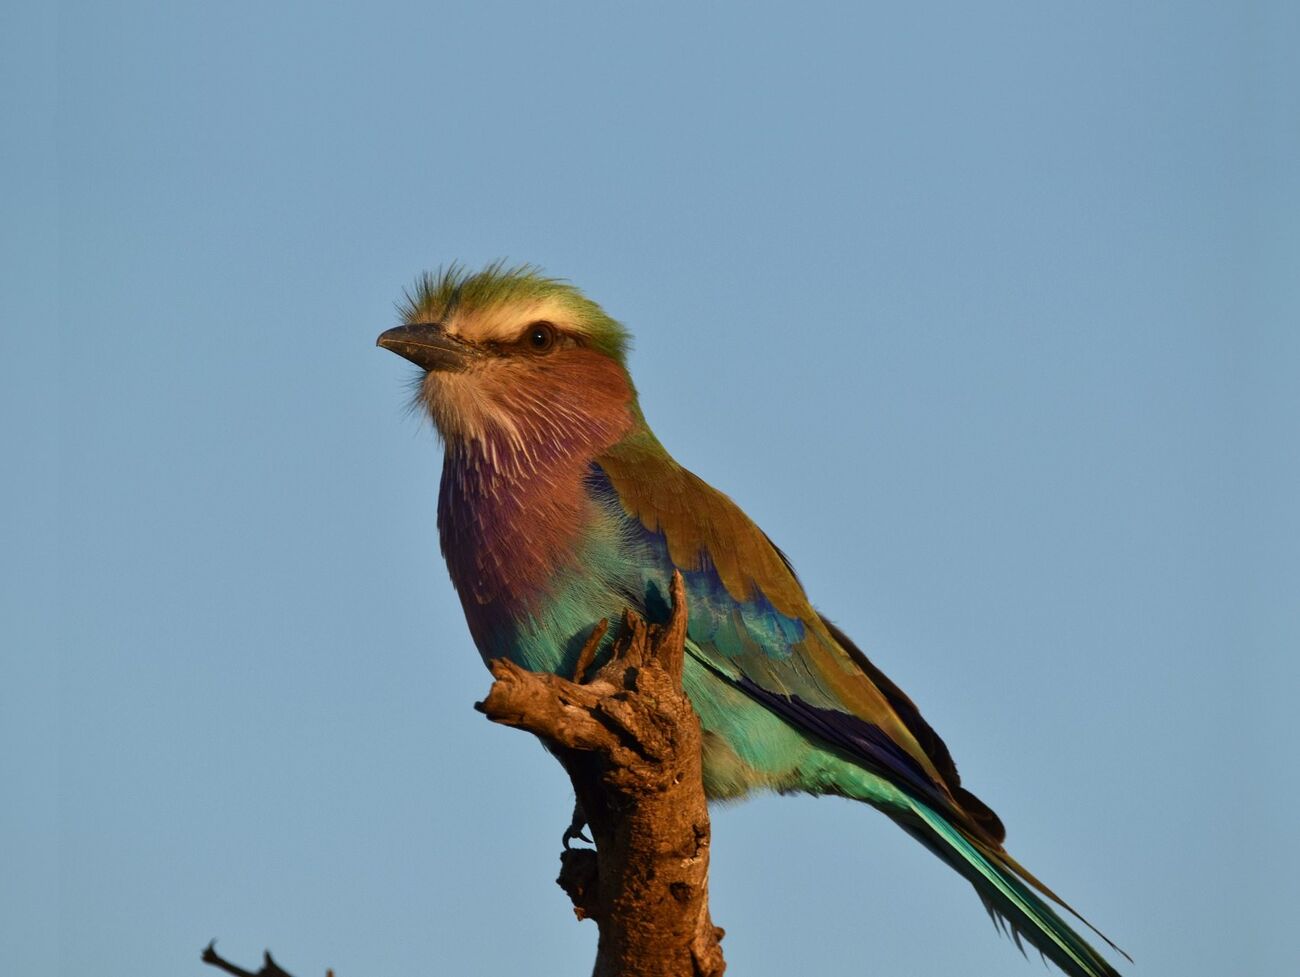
(1007, 891)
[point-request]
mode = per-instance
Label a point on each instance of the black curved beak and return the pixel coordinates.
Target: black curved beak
(427, 346)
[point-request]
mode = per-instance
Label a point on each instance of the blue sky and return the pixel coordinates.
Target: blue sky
(987, 315)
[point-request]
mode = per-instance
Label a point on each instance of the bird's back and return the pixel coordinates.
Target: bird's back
(752, 623)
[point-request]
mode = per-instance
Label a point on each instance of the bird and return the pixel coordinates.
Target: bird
(558, 508)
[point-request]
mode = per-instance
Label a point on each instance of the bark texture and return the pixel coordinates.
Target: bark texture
(630, 741)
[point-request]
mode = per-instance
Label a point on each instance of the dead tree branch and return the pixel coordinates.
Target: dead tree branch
(630, 742)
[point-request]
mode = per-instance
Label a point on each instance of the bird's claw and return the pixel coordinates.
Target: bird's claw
(575, 829)
(574, 832)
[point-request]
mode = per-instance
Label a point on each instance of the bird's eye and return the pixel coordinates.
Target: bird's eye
(541, 337)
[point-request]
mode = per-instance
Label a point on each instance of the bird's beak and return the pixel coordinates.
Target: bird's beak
(427, 346)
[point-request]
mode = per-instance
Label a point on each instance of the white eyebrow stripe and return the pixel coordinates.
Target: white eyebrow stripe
(505, 322)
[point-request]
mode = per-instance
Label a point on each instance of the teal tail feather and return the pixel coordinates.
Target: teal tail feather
(1007, 892)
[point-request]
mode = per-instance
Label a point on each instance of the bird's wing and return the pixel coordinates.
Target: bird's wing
(751, 622)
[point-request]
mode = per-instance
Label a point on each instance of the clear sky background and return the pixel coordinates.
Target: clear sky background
(987, 313)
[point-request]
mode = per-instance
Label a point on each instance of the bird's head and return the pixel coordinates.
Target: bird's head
(515, 358)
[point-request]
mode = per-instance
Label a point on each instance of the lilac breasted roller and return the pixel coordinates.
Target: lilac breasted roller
(558, 508)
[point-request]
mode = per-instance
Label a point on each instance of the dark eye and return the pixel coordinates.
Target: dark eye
(541, 337)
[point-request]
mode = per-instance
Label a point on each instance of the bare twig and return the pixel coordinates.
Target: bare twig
(269, 967)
